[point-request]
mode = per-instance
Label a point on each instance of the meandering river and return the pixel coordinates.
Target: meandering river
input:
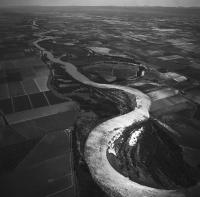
(101, 138)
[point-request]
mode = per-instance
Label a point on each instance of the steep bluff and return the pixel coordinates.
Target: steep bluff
(155, 160)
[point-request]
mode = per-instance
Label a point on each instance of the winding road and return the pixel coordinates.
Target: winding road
(103, 136)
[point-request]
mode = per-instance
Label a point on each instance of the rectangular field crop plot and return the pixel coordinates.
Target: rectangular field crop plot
(38, 100)
(27, 72)
(3, 77)
(54, 99)
(4, 93)
(42, 83)
(21, 103)
(41, 71)
(30, 86)
(28, 62)
(13, 76)
(6, 106)
(16, 89)
(9, 65)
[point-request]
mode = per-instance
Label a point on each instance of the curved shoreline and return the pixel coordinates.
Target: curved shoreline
(97, 142)
(143, 101)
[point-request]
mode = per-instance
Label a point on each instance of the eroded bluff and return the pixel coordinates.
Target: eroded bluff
(155, 160)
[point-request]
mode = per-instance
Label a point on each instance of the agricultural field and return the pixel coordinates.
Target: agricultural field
(154, 50)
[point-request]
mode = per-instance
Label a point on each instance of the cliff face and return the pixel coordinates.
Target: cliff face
(154, 160)
(103, 105)
(144, 153)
